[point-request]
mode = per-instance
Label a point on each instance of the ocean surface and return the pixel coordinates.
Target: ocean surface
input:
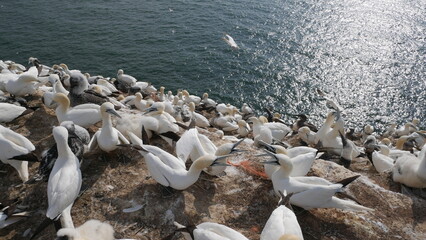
(369, 55)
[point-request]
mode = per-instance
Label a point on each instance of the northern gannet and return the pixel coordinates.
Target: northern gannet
(307, 136)
(141, 103)
(309, 192)
(381, 160)
(81, 94)
(282, 222)
(105, 83)
(65, 180)
(78, 139)
(92, 79)
(411, 170)
(230, 41)
(207, 102)
(278, 130)
(405, 130)
(107, 137)
(84, 115)
(190, 98)
(200, 120)
(165, 125)
(57, 88)
(243, 128)
(330, 103)
(210, 231)
(43, 70)
(390, 130)
(224, 123)
(302, 122)
(125, 81)
(176, 175)
(26, 84)
(15, 146)
(90, 230)
(301, 157)
(8, 216)
(8, 112)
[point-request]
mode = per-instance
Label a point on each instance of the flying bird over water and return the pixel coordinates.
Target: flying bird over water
(230, 41)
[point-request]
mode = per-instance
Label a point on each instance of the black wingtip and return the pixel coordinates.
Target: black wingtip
(171, 135)
(182, 125)
(30, 157)
(43, 225)
(145, 138)
(346, 181)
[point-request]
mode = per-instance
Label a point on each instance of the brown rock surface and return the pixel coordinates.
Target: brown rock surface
(240, 200)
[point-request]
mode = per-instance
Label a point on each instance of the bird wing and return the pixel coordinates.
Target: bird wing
(221, 230)
(382, 162)
(87, 106)
(166, 158)
(185, 145)
(207, 144)
(313, 180)
(121, 137)
(62, 189)
(302, 164)
(156, 167)
(17, 138)
(94, 141)
(282, 221)
(315, 197)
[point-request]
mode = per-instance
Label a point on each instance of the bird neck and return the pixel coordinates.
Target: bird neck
(284, 171)
(63, 106)
(63, 148)
(421, 171)
(106, 122)
(194, 171)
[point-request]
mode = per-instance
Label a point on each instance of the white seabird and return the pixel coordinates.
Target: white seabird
(84, 115)
(282, 223)
(26, 83)
(175, 175)
(125, 79)
(65, 180)
(411, 170)
(230, 41)
(8, 112)
(211, 231)
(14, 145)
(78, 139)
(301, 157)
(90, 230)
(200, 120)
(309, 192)
(194, 145)
(107, 137)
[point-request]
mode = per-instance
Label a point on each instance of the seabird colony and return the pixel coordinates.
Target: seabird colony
(130, 112)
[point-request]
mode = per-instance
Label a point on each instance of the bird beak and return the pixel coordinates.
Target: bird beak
(112, 112)
(151, 109)
(234, 149)
(217, 161)
(285, 199)
(133, 146)
(273, 162)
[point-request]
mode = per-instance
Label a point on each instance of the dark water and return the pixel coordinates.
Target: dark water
(370, 55)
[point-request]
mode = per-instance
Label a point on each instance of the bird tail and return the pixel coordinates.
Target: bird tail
(347, 205)
(30, 157)
(43, 225)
